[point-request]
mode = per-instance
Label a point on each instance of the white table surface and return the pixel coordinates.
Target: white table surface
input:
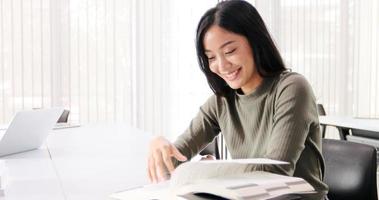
(89, 162)
(351, 122)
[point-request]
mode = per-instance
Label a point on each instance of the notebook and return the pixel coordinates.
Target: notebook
(28, 130)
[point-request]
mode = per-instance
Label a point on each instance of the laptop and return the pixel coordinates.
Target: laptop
(28, 130)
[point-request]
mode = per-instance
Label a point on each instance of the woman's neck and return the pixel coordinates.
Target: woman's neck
(253, 83)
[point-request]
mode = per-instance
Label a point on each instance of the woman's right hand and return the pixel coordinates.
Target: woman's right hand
(159, 159)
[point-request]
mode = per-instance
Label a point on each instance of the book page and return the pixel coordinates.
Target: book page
(264, 161)
(252, 185)
(191, 171)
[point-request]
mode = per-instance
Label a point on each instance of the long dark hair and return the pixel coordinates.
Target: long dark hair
(241, 18)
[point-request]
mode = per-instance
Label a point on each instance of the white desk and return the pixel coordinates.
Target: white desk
(345, 124)
(89, 162)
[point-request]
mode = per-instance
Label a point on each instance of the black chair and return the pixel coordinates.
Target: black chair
(321, 112)
(64, 117)
(350, 170)
(211, 149)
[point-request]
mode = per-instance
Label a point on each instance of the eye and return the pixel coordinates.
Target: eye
(211, 59)
(230, 52)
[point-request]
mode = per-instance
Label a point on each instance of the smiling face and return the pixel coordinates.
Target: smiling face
(230, 57)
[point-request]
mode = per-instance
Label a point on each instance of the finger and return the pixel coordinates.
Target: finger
(208, 157)
(148, 170)
(175, 152)
(152, 169)
(167, 159)
(159, 166)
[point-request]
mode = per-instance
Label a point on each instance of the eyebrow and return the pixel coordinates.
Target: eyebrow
(223, 45)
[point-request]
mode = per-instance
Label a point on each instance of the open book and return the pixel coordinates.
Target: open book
(221, 180)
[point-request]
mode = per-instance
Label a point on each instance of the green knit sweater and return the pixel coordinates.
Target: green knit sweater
(278, 120)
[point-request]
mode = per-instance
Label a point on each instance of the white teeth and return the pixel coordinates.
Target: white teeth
(231, 75)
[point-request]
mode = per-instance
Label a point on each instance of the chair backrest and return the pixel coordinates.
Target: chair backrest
(321, 112)
(211, 149)
(350, 170)
(64, 117)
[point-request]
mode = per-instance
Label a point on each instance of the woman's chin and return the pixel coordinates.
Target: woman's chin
(234, 84)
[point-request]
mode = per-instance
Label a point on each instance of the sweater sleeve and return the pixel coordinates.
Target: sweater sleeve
(294, 112)
(201, 131)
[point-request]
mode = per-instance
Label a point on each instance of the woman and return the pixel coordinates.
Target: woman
(262, 109)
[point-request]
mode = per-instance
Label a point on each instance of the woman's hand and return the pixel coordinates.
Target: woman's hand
(208, 157)
(159, 159)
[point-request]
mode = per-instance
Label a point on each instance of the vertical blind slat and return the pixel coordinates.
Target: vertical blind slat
(128, 60)
(2, 65)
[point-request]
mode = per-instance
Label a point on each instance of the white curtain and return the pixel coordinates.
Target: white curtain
(128, 61)
(134, 61)
(334, 43)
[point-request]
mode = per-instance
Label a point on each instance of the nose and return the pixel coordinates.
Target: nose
(223, 64)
